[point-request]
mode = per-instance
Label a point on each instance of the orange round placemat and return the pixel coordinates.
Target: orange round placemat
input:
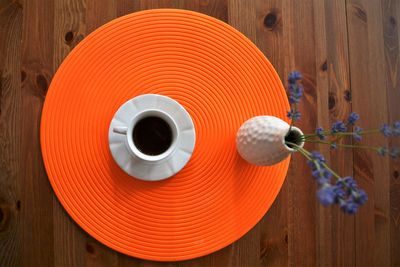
(219, 76)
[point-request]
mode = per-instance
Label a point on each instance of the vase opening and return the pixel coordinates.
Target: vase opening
(294, 136)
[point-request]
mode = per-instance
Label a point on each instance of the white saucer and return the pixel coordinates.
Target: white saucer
(137, 164)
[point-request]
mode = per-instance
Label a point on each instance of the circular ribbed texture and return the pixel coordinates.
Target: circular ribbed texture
(221, 79)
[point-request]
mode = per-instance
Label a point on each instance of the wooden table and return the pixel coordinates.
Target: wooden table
(348, 51)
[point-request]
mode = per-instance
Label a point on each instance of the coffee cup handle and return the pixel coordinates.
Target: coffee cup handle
(120, 130)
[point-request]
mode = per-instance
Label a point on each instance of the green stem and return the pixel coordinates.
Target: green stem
(329, 169)
(308, 156)
(300, 149)
(328, 133)
(343, 145)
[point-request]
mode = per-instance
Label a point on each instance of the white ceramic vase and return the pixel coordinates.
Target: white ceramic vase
(261, 140)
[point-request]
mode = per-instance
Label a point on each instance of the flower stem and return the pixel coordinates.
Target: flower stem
(343, 145)
(328, 133)
(308, 156)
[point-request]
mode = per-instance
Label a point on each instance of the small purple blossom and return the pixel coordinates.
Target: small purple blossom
(338, 127)
(396, 128)
(322, 175)
(353, 117)
(294, 115)
(386, 130)
(294, 76)
(295, 89)
(295, 93)
(357, 133)
(350, 183)
(320, 133)
(326, 195)
(360, 197)
(349, 207)
(315, 155)
(339, 192)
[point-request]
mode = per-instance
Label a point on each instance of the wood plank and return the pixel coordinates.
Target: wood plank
(97, 14)
(125, 7)
(273, 42)
(179, 4)
(242, 16)
(391, 32)
(334, 103)
(36, 193)
(301, 205)
(11, 240)
(324, 249)
(69, 30)
(214, 8)
(367, 77)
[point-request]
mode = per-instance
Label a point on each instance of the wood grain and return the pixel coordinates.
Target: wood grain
(391, 31)
(334, 104)
(271, 39)
(11, 240)
(97, 14)
(69, 30)
(36, 194)
(348, 51)
(302, 222)
(367, 63)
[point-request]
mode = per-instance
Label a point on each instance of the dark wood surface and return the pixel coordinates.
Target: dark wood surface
(348, 51)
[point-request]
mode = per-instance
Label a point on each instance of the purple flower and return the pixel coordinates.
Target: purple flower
(315, 155)
(294, 115)
(349, 207)
(357, 133)
(350, 183)
(339, 192)
(316, 160)
(294, 99)
(326, 195)
(353, 117)
(383, 151)
(295, 93)
(294, 76)
(360, 197)
(394, 152)
(338, 127)
(322, 175)
(396, 128)
(348, 195)
(344, 192)
(386, 130)
(320, 133)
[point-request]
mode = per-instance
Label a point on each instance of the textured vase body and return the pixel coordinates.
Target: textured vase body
(261, 140)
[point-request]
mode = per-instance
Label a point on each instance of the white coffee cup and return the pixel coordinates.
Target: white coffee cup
(126, 151)
(130, 143)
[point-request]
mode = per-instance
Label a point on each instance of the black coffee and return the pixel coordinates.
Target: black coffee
(152, 136)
